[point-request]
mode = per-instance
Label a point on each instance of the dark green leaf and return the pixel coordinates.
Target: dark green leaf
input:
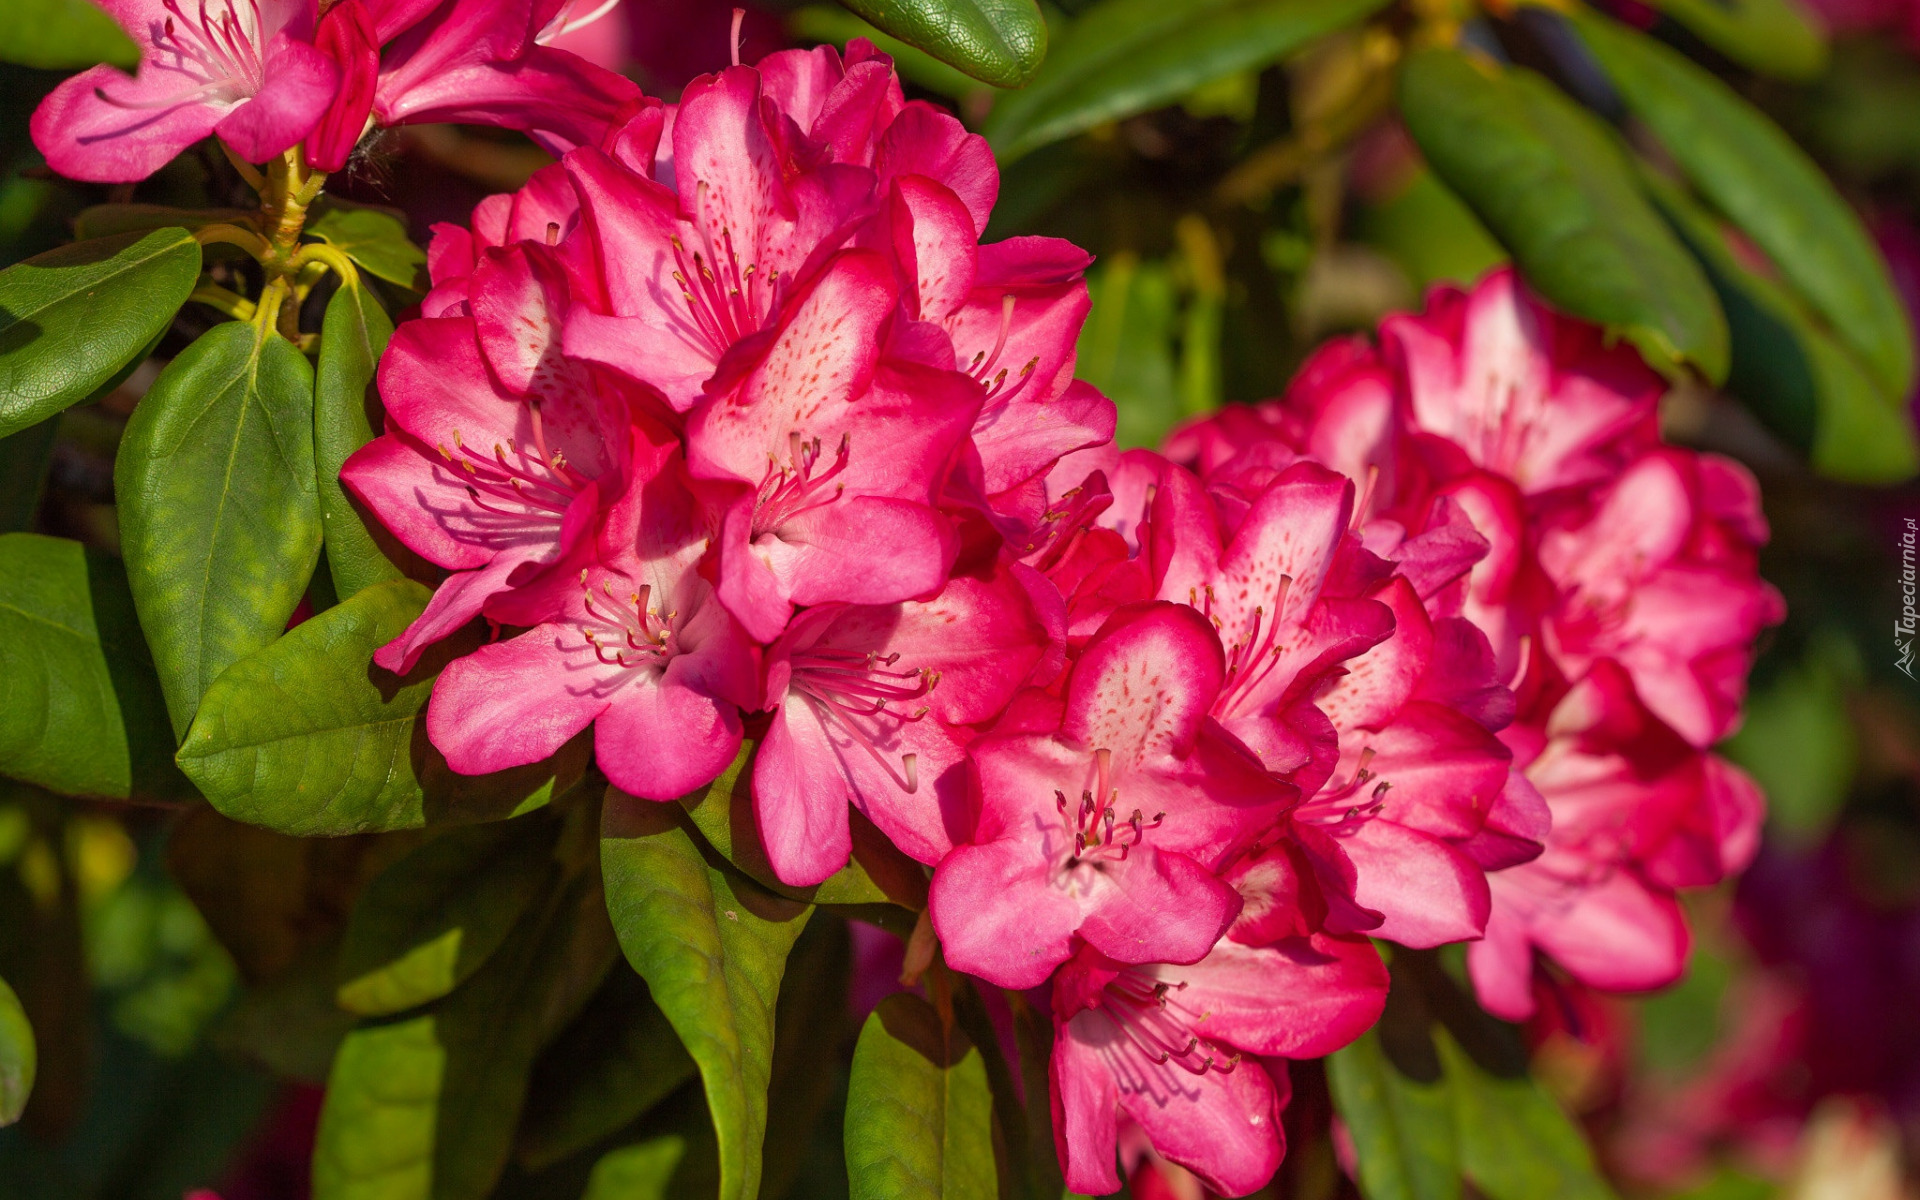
(1515, 1142)
(1126, 347)
(218, 520)
(106, 220)
(17, 1058)
(80, 710)
(73, 318)
(376, 240)
(62, 35)
(309, 738)
(639, 1172)
(352, 339)
(1123, 57)
(811, 1025)
(996, 41)
(428, 922)
(1771, 36)
(1403, 1129)
(1754, 173)
(712, 946)
(919, 1117)
(1554, 186)
(24, 458)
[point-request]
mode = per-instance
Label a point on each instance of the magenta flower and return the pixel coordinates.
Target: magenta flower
(244, 70)
(631, 642)
(871, 706)
(1177, 1050)
(1106, 831)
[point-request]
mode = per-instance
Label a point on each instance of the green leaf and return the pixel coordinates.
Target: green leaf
(1553, 185)
(17, 1059)
(712, 946)
(1515, 1141)
(352, 338)
(878, 874)
(996, 41)
(1403, 1129)
(1123, 57)
(1774, 37)
(639, 1172)
(1753, 172)
(80, 709)
(62, 35)
(107, 220)
(374, 239)
(24, 459)
(1126, 347)
(822, 23)
(429, 921)
(919, 1116)
(218, 520)
(309, 738)
(73, 318)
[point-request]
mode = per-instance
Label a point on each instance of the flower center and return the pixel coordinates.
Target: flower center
(1152, 1016)
(1099, 836)
(217, 49)
(799, 486)
(726, 299)
(1339, 807)
(852, 689)
(532, 477)
(984, 362)
(1253, 651)
(626, 633)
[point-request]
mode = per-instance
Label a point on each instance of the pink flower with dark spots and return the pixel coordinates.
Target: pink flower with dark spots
(245, 71)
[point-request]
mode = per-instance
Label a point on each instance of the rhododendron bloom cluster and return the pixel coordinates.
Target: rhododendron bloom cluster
(728, 423)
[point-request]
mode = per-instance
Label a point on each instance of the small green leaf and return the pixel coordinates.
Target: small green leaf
(309, 738)
(429, 921)
(1123, 57)
(919, 1116)
(80, 709)
(1403, 1129)
(17, 1057)
(374, 239)
(62, 35)
(1774, 37)
(712, 946)
(352, 338)
(996, 41)
(74, 318)
(639, 1172)
(218, 520)
(1554, 186)
(1753, 172)
(1515, 1141)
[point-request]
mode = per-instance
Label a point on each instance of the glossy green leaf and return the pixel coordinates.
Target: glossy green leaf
(62, 35)
(74, 318)
(1553, 185)
(1750, 170)
(80, 709)
(352, 338)
(824, 23)
(638, 1172)
(919, 1116)
(996, 41)
(1775, 37)
(1515, 1141)
(376, 240)
(1123, 57)
(1403, 1129)
(429, 921)
(877, 874)
(17, 1056)
(712, 946)
(218, 520)
(309, 738)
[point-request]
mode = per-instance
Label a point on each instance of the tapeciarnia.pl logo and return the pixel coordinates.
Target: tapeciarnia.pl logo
(1909, 620)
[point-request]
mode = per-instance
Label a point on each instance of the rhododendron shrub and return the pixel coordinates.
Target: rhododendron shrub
(717, 666)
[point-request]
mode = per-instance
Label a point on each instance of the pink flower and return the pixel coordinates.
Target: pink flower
(1106, 831)
(634, 644)
(871, 707)
(244, 70)
(484, 62)
(1176, 1051)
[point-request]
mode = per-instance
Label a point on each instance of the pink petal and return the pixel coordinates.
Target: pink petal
(998, 915)
(515, 702)
(299, 84)
(1225, 1128)
(1429, 892)
(88, 138)
(1152, 907)
(660, 738)
(864, 550)
(1086, 1103)
(1298, 998)
(1142, 687)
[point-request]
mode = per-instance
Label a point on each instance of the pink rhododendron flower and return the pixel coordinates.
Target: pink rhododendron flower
(243, 70)
(1106, 832)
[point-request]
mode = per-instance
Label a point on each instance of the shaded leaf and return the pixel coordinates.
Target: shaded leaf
(24, 459)
(308, 737)
(1774, 37)
(1554, 187)
(712, 946)
(73, 319)
(1403, 1130)
(80, 709)
(17, 1057)
(1123, 57)
(919, 1115)
(996, 41)
(352, 338)
(1515, 1141)
(1750, 170)
(638, 1172)
(376, 240)
(1126, 347)
(63, 35)
(106, 220)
